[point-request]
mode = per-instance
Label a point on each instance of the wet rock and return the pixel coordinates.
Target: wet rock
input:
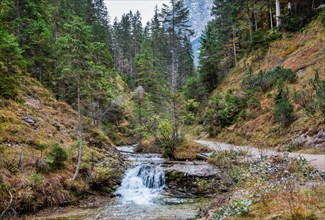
(29, 120)
(188, 180)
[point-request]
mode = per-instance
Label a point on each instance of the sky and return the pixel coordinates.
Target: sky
(116, 8)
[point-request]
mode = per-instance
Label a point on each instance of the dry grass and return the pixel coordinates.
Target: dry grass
(290, 203)
(188, 150)
(147, 145)
(303, 52)
(55, 123)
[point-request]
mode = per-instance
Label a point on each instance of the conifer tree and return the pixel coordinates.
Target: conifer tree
(175, 22)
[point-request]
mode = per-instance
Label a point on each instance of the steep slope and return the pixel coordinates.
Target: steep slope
(301, 52)
(38, 153)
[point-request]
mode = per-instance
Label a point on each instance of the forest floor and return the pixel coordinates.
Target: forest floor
(316, 160)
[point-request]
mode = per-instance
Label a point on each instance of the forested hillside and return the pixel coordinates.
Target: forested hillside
(52, 153)
(74, 84)
(265, 75)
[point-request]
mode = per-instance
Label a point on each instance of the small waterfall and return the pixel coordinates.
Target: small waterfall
(142, 184)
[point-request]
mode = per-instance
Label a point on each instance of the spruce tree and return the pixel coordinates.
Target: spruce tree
(175, 22)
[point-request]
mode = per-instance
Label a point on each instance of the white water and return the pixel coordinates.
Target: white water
(142, 184)
(142, 195)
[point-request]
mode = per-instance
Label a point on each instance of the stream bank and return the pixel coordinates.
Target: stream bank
(153, 188)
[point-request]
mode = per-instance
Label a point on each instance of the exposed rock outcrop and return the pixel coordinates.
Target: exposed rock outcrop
(196, 179)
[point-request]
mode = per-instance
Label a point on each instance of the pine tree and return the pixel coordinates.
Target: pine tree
(210, 56)
(175, 22)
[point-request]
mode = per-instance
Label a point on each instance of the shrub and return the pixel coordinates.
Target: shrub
(9, 86)
(312, 99)
(224, 112)
(252, 99)
(264, 80)
(41, 147)
(305, 99)
(235, 208)
(57, 156)
(295, 22)
(165, 138)
(283, 110)
(280, 72)
(319, 87)
(195, 89)
(191, 110)
(211, 120)
(262, 38)
(36, 179)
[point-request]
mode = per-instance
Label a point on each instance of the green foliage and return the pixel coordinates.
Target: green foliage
(190, 112)
(264, 80)
(293, 147)
(252, 99)
(224, 111)
(10, 59)
(262, 38)
(283, 109)
(322, 17)
(305, 99)
(41, 147)
(236, 208)
(9, 86)
(293, 22)
(10, 52)
(165, 134)
(319, 87)
(211, 71)
(312, 99)
(57, 157)
(36, 179)
(195, 88)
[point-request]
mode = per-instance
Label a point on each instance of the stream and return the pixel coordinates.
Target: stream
(143, 194)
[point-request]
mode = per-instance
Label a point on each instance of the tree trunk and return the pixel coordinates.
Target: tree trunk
(173, 88)
(18, 23)
(277, 13)
(234, 45)
(79, 135)
(250, 23)
(255, 16)
(271, 15)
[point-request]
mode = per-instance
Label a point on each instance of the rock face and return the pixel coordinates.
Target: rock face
(199, 16)
(190, 179)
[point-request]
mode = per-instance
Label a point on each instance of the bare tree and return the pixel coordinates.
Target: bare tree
(79, 135)
(277, 13)
(271, 14)
(139, 94)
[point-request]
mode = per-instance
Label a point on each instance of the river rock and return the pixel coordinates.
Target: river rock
(188, 180)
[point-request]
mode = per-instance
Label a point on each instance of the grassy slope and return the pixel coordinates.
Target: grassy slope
(302, 52)
(55, 124)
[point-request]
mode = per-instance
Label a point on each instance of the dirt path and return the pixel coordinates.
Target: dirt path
(316, 160)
